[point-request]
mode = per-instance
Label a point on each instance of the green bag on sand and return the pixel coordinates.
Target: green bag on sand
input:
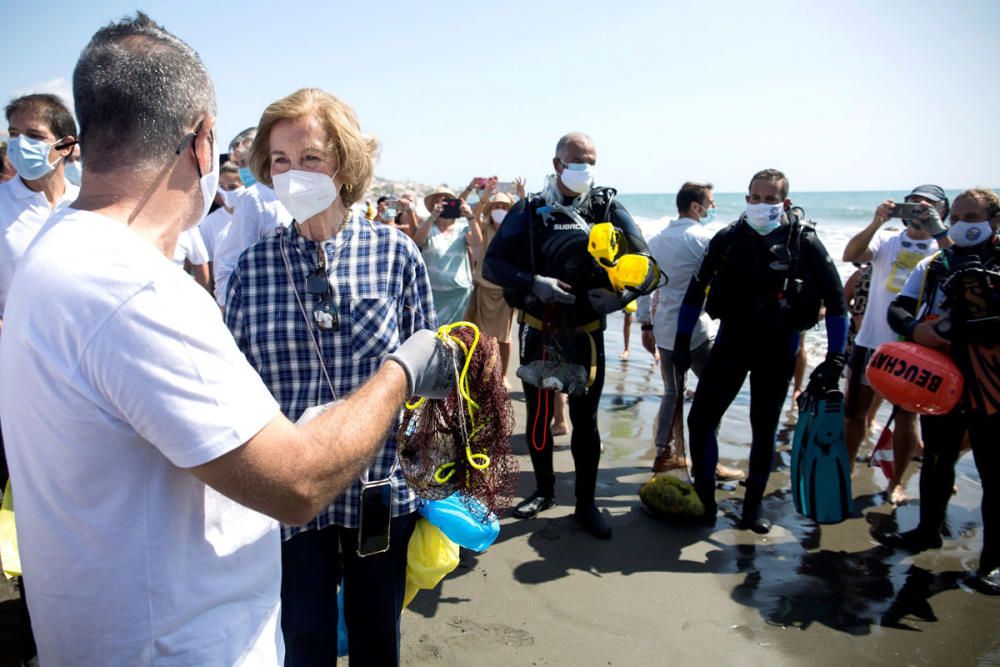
(671, 498)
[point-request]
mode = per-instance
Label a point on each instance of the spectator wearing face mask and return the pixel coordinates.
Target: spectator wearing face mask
(257, 213)
(215, 226)
(42, 135)
(487, 307)
(894, 255)
(444, 241)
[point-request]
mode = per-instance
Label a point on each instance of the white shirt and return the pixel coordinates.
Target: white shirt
(213, 229)
(116, 374)
(22, 214)
(894, 257)
(678, 249)
(256, 214)
(190, 247)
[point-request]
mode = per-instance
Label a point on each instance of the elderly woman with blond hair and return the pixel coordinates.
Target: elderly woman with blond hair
(316, 308)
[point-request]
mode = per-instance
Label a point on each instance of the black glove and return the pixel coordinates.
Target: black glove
(680, 357)
(604, 301)
(826, 377)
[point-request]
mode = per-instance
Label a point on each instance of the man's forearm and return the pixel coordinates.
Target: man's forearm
(855, 249)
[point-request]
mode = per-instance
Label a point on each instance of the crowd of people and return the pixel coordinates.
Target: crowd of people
(237, 474)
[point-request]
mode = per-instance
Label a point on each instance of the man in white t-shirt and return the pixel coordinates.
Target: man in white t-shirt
(149, 459)
(256, 214)
(893, 255)
(42, 134)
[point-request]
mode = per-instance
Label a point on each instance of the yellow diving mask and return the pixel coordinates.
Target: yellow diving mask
(603, 244)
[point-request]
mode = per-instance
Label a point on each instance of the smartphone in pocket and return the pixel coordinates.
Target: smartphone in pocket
(376, 515)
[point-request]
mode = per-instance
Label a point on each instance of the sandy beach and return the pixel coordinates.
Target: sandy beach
(548, 594)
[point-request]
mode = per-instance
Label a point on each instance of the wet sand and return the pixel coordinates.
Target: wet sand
(548, 594)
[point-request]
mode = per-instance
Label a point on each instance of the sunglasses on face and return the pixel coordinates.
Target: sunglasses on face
(325, 312)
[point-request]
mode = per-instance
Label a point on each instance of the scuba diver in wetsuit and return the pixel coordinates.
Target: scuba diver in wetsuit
(766, 276)
(541, 256)
(951, 301)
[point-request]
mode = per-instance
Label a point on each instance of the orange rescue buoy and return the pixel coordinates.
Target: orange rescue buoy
(916, 378)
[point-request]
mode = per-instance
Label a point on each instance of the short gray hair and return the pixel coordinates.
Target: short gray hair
(138, 90)
(241, 142)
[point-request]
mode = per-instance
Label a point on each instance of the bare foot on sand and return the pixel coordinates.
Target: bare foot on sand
(624, 355)
(897, 495)
(560, 429)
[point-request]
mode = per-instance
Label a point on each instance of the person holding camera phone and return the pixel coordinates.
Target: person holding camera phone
(893, 255)
(444, 240)
(765, 276)
(336, 293)
(951, 302)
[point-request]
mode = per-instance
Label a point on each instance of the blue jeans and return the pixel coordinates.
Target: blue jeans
(373, 596)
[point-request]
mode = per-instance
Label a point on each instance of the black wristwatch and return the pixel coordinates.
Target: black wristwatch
(646, 326)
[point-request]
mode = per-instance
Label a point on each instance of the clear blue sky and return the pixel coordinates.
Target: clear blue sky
(841, 95)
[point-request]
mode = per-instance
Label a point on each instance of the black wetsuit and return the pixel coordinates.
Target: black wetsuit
(744, 274)
(560, 251)
(977, 413)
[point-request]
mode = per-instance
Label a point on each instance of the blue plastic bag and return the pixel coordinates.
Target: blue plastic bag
(461, 525)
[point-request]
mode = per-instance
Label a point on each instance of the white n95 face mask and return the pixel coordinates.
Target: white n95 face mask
(229, 196)
(577, 176)
(764, 218)
(497, 215)
(305, 193)
(210, 182)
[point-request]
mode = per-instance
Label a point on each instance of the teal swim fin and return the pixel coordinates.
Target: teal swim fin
(821, 472)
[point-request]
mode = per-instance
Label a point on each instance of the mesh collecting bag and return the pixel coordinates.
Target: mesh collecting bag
(462, 442)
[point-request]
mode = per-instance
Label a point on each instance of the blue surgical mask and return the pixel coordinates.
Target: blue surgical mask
(30, 157)
(709, 216)
(74, 172)
(247, 176)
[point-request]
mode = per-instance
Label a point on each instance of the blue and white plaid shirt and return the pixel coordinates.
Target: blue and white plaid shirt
(383, 296)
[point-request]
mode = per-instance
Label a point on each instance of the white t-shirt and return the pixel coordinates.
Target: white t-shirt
(213, 229)
(256, 214)
(116, 374)
(894, 256)
(190, 247)
(678, 250)
(22, 213)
